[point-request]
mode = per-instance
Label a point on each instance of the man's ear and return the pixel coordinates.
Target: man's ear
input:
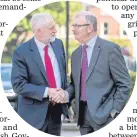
(90, 28)
(38, 31)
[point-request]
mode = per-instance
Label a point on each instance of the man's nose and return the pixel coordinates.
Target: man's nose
(73, 29)
(55, 30)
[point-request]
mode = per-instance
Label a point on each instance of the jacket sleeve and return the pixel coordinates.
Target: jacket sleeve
(70, 89)
(20, 79)
(121, 78)
(65, 68)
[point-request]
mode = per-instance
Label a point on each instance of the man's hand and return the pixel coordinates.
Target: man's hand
(60, 96)
(51, 94)
(57, 95)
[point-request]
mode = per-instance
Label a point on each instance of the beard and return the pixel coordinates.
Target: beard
(48, 40)
(52, 38)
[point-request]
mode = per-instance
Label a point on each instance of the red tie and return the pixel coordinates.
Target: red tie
(49, 69)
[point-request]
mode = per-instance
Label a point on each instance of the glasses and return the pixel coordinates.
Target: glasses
(79, 25)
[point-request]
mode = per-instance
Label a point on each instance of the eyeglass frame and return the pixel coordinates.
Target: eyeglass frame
(79, 25)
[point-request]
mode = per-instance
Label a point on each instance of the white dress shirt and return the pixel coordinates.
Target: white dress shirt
(54, 62)
(90, 44)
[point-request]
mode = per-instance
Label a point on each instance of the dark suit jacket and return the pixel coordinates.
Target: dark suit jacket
(29, 81)
(107, 81)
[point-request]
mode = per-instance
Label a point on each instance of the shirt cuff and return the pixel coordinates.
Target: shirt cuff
(46, 93)
(67, 96)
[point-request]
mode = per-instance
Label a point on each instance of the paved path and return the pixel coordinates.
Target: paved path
(70, 130)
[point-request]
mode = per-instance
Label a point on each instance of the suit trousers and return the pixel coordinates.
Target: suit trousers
(52, 124)
(87, 124)
(83, 121)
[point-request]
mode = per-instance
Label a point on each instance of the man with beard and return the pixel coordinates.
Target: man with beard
(38, 74)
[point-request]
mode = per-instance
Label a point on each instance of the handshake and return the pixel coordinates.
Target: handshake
(57, 95)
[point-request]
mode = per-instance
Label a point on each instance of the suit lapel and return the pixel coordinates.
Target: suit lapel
(56, 50)
(37, 58)
(77, 64)
(94, 57)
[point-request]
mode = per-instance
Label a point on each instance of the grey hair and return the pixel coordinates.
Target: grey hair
(39, 19)
(90, 18)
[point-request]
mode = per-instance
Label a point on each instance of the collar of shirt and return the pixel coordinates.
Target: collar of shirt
(91, 42)
(40, 45)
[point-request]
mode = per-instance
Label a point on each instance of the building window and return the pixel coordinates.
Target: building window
(105, 28)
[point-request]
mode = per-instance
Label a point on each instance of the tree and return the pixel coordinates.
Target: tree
(22, 31)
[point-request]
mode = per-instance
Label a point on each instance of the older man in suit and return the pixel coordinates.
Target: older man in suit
(99, 81)
(39, 71)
